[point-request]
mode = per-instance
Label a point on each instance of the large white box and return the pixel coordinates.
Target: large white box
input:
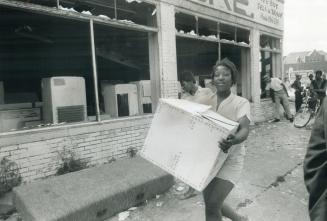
(183, 140)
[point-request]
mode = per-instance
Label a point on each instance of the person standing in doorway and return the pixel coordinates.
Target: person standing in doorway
(298, 92)
(280, 97)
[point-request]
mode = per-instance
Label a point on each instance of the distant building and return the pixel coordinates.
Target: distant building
(306, 60)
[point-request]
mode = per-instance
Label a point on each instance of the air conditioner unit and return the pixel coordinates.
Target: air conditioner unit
(64, 99)
(2, 93)
(144, 96)
(120, 99)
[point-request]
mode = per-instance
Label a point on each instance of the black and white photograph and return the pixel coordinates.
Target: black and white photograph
(163, 110)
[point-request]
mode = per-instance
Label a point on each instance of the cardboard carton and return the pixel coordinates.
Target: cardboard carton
(183, 140)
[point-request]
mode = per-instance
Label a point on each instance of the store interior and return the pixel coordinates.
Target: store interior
(35, 46)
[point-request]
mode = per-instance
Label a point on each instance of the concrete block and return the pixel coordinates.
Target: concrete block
(92, 194)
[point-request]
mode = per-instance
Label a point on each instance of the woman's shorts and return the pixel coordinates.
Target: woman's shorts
(233, 166)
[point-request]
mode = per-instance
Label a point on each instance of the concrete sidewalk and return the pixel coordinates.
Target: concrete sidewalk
(271, 187)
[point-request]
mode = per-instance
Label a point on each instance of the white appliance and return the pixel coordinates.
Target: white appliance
(144, 96)
(120, 99)
(64, 99)
(15, 119)
(2, 93)
(179, 90)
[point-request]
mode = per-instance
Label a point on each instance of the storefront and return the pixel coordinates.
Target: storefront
(87, 75)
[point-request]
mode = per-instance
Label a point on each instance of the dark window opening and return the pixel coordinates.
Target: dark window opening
(185, 23)
(131, 11)
(207, 27)
(269, 42)
(38, 51)
(266, 69)
(122, 60)
(233, 53)
(198, 57)
(243, 35)
(227, 32)
(34, 47)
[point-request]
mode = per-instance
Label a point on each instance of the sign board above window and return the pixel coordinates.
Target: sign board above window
(266, 12)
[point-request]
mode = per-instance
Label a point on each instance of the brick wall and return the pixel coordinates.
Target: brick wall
(37, 152)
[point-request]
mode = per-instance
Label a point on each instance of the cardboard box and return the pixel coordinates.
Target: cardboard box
(183, 140)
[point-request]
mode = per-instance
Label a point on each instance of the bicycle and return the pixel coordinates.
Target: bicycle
(307, 111)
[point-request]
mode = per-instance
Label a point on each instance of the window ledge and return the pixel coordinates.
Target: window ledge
(56, 131)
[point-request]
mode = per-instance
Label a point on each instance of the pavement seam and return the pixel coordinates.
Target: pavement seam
(278, 180)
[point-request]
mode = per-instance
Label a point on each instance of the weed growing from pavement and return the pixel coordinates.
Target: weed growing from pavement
(131, 152)
(9, 175)
(70, 163)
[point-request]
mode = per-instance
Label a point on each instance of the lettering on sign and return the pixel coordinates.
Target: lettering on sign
(267, 12)
(240, 10)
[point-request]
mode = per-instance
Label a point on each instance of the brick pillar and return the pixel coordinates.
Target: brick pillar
(167, 51)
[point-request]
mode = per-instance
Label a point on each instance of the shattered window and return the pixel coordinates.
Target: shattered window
(122, 60)
(227, 32)
(207, 28)
(243, 35)
(269, 42)
(185, 23)
(129, 11)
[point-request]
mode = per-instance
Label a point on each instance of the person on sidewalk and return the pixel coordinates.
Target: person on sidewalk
(315, 167)
(235, 108)
(297, 85)
(318, 86)
(280, 97)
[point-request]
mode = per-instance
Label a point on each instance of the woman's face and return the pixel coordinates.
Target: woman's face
(222, 78)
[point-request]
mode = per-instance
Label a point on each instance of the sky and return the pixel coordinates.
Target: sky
(305, 25)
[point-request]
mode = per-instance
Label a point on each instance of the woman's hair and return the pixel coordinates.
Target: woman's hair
(228, 64)
(187, 76)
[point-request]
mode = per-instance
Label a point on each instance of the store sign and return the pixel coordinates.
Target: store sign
(267, 12)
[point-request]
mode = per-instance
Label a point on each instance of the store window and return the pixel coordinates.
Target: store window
(201, 42)
(47, 72)
(233, 53)
(227, 32)
(207, 28)
(270, 61)
(123, 72)
(185, 23)
(128, 11)
(198, 57)
(196, 46)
